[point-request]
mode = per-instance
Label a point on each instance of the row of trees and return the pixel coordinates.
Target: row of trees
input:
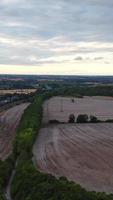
(83, 118)
(79, 91)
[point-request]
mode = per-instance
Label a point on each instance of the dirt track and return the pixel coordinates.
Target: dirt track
(9, 121)
(82, 153)
(60, 108)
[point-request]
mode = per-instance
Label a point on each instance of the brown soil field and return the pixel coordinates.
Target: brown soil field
(17, 91)
(9, 120)
(82, 152)
(60, 108)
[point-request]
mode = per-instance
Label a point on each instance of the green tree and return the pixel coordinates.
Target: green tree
(83, 118)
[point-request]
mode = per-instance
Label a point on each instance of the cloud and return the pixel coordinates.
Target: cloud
(37, 50)
(98, 58)
(79, 58)
(34, 32)
(8, 1)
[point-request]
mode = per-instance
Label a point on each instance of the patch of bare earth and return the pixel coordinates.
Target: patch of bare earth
(82, 153)
(9, 121)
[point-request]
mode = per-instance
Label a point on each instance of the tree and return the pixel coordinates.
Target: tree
(83, 118)
(93, 119)
(71, 118)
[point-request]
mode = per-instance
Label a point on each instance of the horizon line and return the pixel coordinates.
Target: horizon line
(88, 75)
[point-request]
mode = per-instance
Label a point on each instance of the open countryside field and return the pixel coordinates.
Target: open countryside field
(60, 108)
(82, 153)
(9, 121)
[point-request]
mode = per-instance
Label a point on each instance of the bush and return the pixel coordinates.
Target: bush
(54, 121)
(71, 118)
(109, 120)
(93, 119)
(83, 118)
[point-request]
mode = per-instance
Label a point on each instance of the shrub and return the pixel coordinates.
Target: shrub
(83, 118)
(93, 119)
(71, 118)
(54, 121)
(109, 120)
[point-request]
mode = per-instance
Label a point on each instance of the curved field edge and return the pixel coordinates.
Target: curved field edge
(29, 183)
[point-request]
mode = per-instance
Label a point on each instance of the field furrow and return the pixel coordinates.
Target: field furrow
(9, 121)
(83, 153)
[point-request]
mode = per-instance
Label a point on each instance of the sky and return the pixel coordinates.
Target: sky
(69, 37)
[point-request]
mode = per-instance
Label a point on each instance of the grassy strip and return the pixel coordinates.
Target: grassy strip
(5, 172)
(30, 184)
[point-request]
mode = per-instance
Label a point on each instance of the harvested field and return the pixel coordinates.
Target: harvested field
(17, 91)
(81, 152)
(59, 108)
(9, 121)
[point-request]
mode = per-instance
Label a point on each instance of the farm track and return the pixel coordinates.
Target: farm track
(9, 121)
(83, 153)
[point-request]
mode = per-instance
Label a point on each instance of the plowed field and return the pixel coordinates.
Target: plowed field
(9, 121)
(60, 108)
(81, 152)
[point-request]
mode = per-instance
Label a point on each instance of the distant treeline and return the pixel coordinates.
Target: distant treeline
(88, 91)
(21, 84)
(80, 91)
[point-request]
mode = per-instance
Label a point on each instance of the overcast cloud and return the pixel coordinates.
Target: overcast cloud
(40, 32)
